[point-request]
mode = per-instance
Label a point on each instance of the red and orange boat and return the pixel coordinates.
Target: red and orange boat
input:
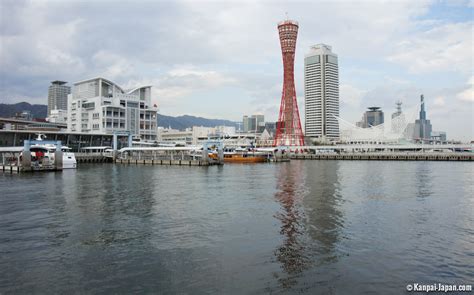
(244, 157)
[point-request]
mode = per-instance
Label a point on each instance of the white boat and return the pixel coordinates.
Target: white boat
(69, 160)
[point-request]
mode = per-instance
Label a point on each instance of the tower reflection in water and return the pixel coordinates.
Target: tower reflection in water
(310, 218)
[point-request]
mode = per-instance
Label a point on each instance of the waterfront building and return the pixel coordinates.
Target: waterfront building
(373, 117)
(438, 136)
(321, 91)
(57, 116)
(396, 129)
(270, 127)
(57, 96)
(24, 115)
(245, 123)
(254, 123)
(195, 135)
(100, 106)
(259, 122)
(422, 125)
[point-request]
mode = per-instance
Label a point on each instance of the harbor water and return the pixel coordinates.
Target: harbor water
(315, 227)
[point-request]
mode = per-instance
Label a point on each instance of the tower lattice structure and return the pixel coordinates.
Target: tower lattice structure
(288, 129)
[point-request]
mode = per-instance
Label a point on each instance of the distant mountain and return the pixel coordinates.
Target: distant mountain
(181, 122)
(38, 111)
(186, 121)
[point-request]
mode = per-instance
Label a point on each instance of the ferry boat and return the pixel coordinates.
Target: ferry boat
(44, 154)
(244, 156)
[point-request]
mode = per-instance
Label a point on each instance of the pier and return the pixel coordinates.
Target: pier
(388, 156)
(163, 162)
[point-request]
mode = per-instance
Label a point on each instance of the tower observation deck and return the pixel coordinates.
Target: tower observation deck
(288, 129)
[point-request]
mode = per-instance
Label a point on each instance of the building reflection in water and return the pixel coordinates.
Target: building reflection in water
(324, 219)
(290, 192)
(310, 217)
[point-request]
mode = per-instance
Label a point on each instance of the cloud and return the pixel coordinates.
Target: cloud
(351, 95)
(446, 48)
(439, 101)
(468, 94)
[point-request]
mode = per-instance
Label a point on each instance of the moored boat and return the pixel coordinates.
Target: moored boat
(244, 157)
(69, 159)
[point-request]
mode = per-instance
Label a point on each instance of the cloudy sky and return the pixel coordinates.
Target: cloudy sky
(221, 59)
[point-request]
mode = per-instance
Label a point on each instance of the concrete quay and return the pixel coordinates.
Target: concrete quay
(163, 162)
(387, 156)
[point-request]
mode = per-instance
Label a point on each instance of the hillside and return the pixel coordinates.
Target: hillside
(186, 121)
(38, 111)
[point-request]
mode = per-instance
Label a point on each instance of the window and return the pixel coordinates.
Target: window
(131, 104)
(88, 105)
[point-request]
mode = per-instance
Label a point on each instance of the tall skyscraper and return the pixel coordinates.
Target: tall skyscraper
(57, 96)
(288, 127)
(245, 123)
(321, 91)
(422, 125)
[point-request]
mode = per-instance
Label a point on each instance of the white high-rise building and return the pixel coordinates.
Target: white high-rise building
(101, 106)
(321, 91)
(57, 96)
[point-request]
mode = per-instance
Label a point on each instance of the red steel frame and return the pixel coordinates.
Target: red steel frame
(288, 129)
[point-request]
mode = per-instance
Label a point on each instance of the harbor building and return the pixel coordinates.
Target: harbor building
(373, 128)
(321, 91)
(248, 123)
(438, 136)
(254, 123)
(195, 135)
(57, 116)
(100, 106)
(57, 96)
(373, 117)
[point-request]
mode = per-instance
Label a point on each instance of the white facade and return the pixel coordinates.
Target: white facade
(195, 135)
(57, 116)
(394, 130)
(321, 90)
(101, 106)
(58, 93)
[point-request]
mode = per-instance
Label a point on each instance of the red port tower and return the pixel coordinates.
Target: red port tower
(288, 126)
